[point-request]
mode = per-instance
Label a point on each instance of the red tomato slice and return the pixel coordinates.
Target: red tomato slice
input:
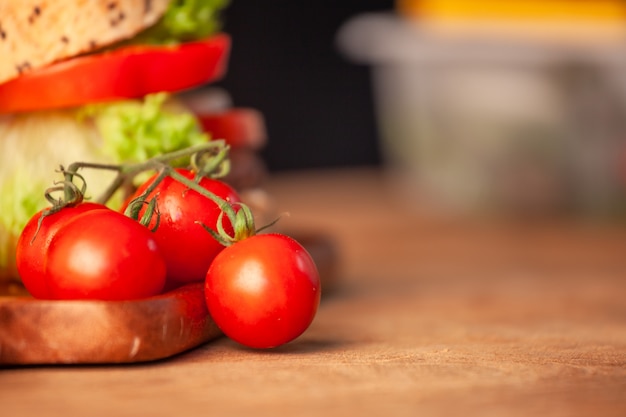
(239, 127)
(120, 74)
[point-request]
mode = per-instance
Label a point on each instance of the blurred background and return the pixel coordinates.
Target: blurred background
(515, 106)
(317, 105)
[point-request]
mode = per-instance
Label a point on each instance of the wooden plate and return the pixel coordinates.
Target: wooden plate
(36, 332)
(82, 332)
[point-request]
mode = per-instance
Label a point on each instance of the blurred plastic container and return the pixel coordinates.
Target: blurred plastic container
(497, 124)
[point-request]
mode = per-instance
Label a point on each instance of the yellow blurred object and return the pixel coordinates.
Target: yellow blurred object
(605, 10)
(578, 20)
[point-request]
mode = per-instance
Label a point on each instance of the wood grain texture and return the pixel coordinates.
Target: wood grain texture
(429, 316)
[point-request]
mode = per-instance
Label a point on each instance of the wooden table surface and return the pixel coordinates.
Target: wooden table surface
(426, 316)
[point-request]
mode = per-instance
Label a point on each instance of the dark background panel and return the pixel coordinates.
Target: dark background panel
(317, 105)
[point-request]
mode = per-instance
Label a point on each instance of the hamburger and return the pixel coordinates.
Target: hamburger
(108, 81)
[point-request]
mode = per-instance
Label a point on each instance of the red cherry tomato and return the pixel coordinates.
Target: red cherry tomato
(187, 247)
(263, 291)
(104, 255)
(128, 72)
(32, 245)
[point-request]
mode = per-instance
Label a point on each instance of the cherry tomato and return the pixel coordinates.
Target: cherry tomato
(33, 242)
(104, 255)
(127, 72)
(187, 247)
(263, 291)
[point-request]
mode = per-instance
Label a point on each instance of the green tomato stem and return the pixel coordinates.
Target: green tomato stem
(242, 224)
(215, 165)
(134, 206)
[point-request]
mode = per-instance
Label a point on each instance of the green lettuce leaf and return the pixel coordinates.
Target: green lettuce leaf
(184, 20)
(138, 130)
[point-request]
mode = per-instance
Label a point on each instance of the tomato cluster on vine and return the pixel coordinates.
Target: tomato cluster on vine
(178, 227)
